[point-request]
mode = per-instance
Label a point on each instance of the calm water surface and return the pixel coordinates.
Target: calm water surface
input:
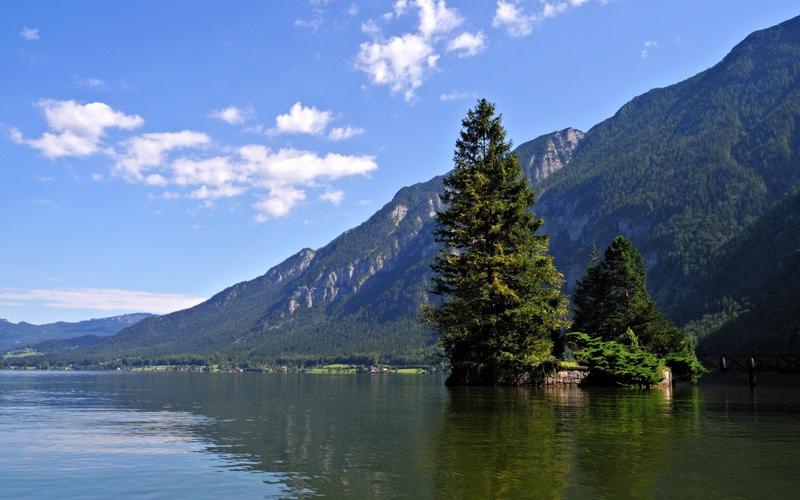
(174, 435)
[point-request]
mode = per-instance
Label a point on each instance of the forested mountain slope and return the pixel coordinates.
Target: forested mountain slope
(749, 300)
(684, 169)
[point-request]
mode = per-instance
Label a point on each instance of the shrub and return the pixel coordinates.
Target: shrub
(685, 365)
(613, 363)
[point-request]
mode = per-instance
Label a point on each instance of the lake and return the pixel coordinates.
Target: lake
(175, 435)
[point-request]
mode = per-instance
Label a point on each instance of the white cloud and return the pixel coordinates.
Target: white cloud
(334, 197)
(155, 180)
(513, 18)
(216, 192)
(315, 22)
(352, 10)
(170, 195)
(646, 46)
(278, 176)
(284, 171)
(342, 133)
(147, 151)
(94, 83)
(553, 9)
(435, 18)
(101, 299)
(400, 7)
(63, 144)
(76, 129)
(86, 120)
(29, 34)
(371, 28)
(16, 136)
(457, 96)
(218, 172)
(278, 203)
(510, 15)
(467, 44)
(293, 166)
(282, 174)
(401, 63)
(231, 115)
(302, 120)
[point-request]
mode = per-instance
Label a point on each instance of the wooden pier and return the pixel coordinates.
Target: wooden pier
(751, 363)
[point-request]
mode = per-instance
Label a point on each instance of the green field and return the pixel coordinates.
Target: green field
(412, 371)
(334, 368)
(20, 354)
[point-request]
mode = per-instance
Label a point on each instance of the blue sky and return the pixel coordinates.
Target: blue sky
(153, 153)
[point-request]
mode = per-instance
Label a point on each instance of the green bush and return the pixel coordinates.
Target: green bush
(685, 364)
(613, 363)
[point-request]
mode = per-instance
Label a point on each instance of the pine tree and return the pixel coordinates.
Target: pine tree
(585, 314)
(612, 297)
(501, 292)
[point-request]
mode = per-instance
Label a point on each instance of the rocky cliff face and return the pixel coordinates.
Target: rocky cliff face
(545, 155)
(340, 270)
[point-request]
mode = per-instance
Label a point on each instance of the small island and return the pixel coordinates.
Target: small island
(502, 316)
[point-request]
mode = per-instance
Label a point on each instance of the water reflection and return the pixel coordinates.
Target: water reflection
(501, 443)
(621, 441)
(390, 436)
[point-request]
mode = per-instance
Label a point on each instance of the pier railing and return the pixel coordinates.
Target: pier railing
(751, 362)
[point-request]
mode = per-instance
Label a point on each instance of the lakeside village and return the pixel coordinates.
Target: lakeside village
(13, 361)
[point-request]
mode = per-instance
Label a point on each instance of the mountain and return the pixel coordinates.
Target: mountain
(18, 335)
(354, 299)
(686, 172)
(684, 169)
(689, 172)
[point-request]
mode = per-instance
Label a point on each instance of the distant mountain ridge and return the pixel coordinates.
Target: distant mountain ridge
(22, 334)
(683, 171)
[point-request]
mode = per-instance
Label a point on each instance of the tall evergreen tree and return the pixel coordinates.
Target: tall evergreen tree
(585, 314)
(501, 291)
(612, 297)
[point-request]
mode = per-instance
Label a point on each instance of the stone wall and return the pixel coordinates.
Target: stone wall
(576, 375)
(568, 376)
(477, 374)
